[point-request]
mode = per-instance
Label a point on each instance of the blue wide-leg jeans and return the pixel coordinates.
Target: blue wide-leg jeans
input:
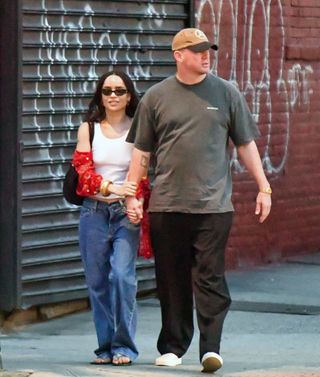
(108, 245)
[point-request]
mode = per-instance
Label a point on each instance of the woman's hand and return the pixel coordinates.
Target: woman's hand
(128, 188)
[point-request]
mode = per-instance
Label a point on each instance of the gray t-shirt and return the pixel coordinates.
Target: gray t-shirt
(188, 128)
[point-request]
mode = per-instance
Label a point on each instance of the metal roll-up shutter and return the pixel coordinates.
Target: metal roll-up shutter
(67, 45)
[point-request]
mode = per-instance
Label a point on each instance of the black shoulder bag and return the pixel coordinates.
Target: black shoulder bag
(71, 179)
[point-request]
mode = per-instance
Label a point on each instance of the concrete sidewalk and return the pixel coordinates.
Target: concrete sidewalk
(272, 330)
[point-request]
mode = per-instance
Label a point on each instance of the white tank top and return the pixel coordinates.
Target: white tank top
(111, 157)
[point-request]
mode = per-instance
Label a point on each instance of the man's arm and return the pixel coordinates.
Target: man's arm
(138, 168)
(249, 155)
(139, 165)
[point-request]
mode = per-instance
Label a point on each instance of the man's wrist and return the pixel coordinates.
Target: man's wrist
(129, 197)
(266, 190)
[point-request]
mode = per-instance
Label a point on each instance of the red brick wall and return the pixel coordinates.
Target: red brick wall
(270, 49)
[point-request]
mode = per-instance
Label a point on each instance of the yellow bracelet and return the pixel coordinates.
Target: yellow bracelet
(267, 190)
(104, 188)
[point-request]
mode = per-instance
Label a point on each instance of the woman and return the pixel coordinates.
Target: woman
(108, 240)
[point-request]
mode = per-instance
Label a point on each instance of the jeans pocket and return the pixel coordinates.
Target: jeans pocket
(119, 209)
(86, 211)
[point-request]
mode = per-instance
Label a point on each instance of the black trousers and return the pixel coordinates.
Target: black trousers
(189, 260)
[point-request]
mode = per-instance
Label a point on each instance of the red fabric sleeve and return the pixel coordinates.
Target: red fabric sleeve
(145, 247)
(89, 181)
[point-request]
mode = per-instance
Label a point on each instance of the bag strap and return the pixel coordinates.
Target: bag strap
(91, 132)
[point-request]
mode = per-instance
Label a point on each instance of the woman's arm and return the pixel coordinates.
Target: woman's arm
(83, 142)
(89, 181)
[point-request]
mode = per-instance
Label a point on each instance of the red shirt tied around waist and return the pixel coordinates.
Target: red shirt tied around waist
(144, 192)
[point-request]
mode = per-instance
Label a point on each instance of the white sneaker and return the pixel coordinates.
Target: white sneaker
(211, 362)
(168, 360)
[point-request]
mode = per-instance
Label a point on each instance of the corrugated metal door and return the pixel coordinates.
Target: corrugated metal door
(67, 44)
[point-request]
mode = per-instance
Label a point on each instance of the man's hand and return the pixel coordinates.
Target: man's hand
(263, 206)
(134, 209)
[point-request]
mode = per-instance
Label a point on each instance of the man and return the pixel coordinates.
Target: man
(187, 120)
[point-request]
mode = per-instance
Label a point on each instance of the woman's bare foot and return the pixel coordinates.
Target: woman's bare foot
(119, 359)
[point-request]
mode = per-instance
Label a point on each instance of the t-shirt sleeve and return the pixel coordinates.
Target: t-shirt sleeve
(142, 133)
(243, 128)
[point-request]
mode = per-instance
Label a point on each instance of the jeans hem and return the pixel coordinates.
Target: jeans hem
(125, 352)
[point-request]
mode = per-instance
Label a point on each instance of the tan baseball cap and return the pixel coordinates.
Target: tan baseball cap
(192, 39)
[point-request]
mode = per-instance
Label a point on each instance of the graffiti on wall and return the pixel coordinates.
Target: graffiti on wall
(75, 42)
(299, 88)
(251, 39)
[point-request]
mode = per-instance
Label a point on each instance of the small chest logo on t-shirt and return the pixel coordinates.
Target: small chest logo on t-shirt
(212, 108)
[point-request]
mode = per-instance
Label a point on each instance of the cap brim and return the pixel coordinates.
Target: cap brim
(200, 47)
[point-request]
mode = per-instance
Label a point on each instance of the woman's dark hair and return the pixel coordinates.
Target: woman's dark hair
(96, 111)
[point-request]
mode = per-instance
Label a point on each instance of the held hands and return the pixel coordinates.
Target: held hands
(263, 206)
(134, 209)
